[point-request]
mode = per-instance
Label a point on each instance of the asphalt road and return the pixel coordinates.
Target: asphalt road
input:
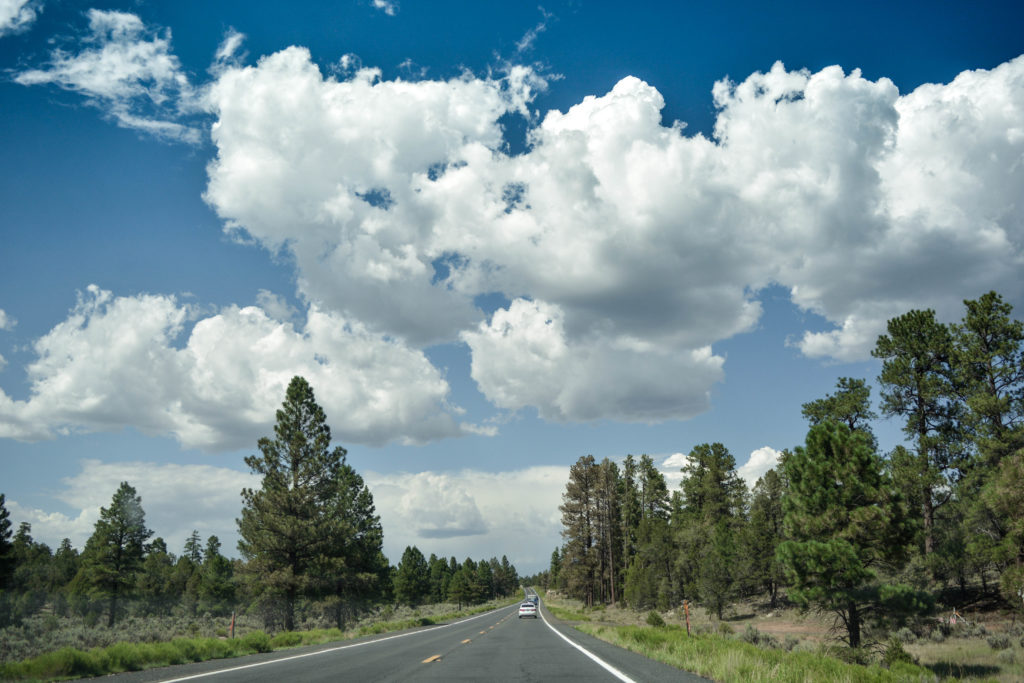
(495, 646)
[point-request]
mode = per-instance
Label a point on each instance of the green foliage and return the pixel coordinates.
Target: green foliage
(850, 405)
(310, 529)
(654, 619)
(895, 654)
(412, 579)
(845, 520)
(114, 553)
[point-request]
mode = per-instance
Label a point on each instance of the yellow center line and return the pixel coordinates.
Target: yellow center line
(435, 658)
(466, 641)
(482, 632)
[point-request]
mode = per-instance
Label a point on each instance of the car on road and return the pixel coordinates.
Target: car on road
(527, 609)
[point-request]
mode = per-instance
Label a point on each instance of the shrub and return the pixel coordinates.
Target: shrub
(754, 637)
(257, 641)
(1006, 657)
(979, 630)
(724, 629)
(906, 636)
(790, 643)
(654, 619)
(937, 636)
(894, 654)
(286, 639)
(998, 641)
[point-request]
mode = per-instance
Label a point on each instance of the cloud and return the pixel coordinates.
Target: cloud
(472, 513)
(760, 461)
(126, 70)
(129, 361)
(625, 248)
(17, 15)
(175, 498)
(388, 7)
(530, 37)
(523, 358)
(6, 321)
(465, 514)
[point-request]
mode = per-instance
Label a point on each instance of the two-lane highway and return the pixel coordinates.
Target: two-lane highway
(495, 646)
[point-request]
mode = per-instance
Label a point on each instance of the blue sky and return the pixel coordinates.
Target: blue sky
(494, 236)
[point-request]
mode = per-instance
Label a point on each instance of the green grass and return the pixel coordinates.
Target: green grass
(566, 614)
(727, 659)
(68, 663)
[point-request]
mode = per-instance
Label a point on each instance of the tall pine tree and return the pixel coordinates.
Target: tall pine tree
(288, 527)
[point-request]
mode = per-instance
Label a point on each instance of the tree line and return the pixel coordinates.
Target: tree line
(310, 545)
(837, 526)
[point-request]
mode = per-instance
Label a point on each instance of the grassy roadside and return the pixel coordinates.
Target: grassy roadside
(69, 663)
(726, 659)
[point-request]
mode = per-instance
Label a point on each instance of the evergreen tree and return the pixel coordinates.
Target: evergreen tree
(608, 530)
(113, 554)
(354, 572)
(851, 405)
(918, 384)
(629, 496)
(412, 578)
(844, 521)
(763, 534)
(579, 557)
(6, 547)
(288, 528)
(216, 591)
(460, 589)
(710, 524)
(194, 548)
(155, 582)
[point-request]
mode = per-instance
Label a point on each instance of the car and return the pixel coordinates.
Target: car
(527, 609)
(533, 598)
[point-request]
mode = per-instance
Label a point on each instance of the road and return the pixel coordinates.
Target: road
(495, 646)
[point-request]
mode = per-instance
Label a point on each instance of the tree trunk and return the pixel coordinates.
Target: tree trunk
(853, 624)
(928, 510)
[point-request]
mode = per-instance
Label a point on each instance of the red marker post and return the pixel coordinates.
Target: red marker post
(686, 608)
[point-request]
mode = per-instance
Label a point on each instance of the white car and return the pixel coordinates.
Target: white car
(527, 609)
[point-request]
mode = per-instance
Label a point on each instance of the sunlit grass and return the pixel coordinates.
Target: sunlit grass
(68, 663)
(727, 659)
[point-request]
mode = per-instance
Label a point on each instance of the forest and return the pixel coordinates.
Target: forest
(872, 538)
(311, 552)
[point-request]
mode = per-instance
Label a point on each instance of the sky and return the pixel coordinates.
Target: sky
(494, 237)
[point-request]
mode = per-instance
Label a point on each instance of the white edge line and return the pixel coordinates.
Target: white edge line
(605, 665)
(333, 649)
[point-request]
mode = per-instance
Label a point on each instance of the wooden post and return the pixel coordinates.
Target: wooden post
(686, 608)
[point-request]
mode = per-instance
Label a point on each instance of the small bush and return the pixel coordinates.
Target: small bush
(654, 619)
(286, 639)
(906, 636)
(998, 641)
(1007, 657)
(979, 631)
(895, 654)
(257, 641)
(790, 643)
(724, 629)
(937, 636)
(754, 637)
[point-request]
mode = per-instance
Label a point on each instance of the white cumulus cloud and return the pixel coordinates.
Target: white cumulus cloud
(129, 361)
(760, 461)
(626, 248)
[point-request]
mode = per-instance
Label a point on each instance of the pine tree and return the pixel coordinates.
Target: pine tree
(6, 557)
(851, 405)
(412, 578)
(918, 384)
(710, 524)
(113, 554)
(844, 521)
(763, 534)
(354, 572)
(579, 557)
(155, 582)
(287, 528)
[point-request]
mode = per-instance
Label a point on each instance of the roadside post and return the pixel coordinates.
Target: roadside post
(686, 609)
